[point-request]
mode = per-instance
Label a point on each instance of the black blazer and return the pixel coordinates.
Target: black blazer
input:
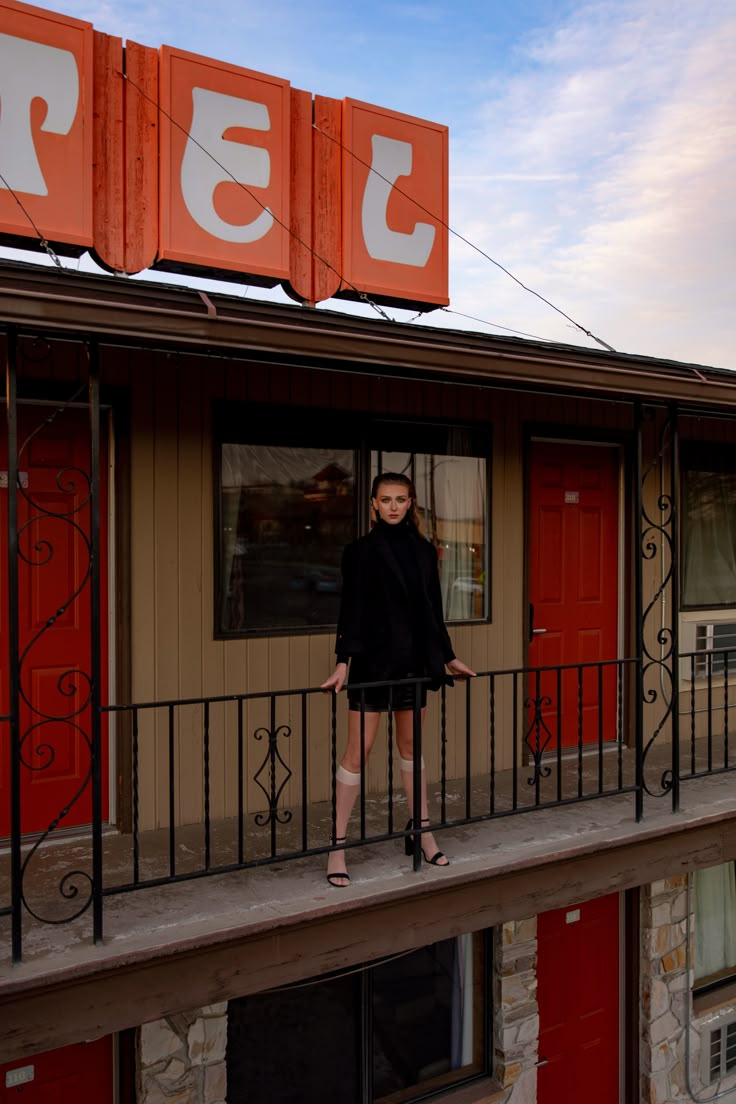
(375, 614)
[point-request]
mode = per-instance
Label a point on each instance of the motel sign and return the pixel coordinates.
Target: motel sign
(159, 157)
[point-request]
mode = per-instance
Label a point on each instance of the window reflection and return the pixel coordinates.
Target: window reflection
(286, 515)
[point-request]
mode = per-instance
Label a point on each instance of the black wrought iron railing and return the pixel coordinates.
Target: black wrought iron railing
(707, 721)
(230, 782)
(225, 783)
(522, 739)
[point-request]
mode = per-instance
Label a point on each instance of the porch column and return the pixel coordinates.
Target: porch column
(657, 605)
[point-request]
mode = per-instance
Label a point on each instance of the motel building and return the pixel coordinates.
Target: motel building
(179, 474)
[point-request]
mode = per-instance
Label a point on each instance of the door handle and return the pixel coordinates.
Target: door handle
(541, 1062)
(532, 631)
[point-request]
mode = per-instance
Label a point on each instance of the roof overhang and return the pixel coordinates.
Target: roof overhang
(118, 310)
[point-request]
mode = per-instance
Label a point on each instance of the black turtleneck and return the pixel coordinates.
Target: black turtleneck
(402, 539)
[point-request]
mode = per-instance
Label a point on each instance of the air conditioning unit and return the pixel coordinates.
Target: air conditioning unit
(718, 1057)
(711, 638)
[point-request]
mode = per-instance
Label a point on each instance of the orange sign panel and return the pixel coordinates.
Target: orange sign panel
(394, 205)
(224, 161)
(167, 158)
(45, 125)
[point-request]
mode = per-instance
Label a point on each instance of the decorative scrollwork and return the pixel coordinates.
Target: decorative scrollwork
(67, 887)
(538, 737)
(272, 760)
(658, 626)
(46, 529)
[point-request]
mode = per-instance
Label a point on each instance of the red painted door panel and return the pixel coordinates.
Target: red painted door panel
(55, 616)
(578, 995)
(81, 1074)
(573, 587)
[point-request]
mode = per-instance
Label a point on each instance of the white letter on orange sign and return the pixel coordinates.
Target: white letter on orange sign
(214, 113)
(29, 70)
(391, 159)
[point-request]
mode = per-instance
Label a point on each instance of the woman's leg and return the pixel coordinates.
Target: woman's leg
(405, 744)
(347, 787)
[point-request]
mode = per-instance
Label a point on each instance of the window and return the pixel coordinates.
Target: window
(708, 526)
(389, 1033)
(289, 482)
(715, 924)
(448, 467)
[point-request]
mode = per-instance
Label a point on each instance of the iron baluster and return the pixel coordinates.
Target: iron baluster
(468, 750)
(95, 641)
(443, 752)
(14, 647)
(559, 735)
(492, 707)
(241, 783)
(417, 774)
(136, 814)
(390, 723)
(580, 731)
(206, 754)
(305, 773)
(172, 795)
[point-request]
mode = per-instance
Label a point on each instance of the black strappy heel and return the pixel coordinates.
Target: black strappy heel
(438, 856)
(339, 873)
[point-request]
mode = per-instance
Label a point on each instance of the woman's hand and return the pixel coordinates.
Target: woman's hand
(457, 667)
(337, 678)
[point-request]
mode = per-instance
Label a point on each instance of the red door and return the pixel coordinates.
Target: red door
(573, 588)
(55, 617)
(578, 973)
(81, 1074)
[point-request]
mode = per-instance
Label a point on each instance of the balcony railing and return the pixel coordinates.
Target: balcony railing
(230, 782)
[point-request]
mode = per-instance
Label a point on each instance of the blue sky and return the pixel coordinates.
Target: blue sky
(592, 144)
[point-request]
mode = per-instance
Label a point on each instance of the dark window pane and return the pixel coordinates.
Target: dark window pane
(286, 515)
(426, 1019)
(295, 1046)
(708, 525)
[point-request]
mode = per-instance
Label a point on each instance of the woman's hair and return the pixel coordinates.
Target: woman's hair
(397, 477)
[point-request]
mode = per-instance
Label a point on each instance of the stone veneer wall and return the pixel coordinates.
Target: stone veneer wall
(666, 1001)
(516, 1020)
(181, 1059)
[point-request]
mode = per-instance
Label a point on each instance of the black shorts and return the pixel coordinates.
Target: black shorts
(376, 699)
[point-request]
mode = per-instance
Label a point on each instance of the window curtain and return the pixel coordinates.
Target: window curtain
(709, 544)
(457, 520)
(715, 920)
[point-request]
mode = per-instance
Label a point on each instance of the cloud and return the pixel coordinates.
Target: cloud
(618, 134)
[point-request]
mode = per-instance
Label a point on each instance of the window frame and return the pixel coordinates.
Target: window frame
(716, 459)
(231, 419)
(445, 1084)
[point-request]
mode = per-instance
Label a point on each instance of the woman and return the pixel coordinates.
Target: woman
(390, 627)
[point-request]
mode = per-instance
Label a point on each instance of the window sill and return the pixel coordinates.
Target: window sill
(715, 999)
(484, 1091)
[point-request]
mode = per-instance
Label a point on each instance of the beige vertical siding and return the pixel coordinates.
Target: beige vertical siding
(174, 652)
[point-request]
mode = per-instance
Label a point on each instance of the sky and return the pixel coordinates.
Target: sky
(592, 146)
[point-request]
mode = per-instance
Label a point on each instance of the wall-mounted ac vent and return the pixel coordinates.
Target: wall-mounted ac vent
(722, 1051)
(710, 639)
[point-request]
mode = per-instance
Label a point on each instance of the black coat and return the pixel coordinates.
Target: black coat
(377, 623)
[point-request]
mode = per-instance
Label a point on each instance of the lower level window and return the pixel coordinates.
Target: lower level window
(402, 1029)
(715, 923)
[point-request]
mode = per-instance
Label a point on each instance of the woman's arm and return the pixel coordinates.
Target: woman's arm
(349, 621)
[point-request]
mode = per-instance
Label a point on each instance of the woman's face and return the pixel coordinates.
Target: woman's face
(392, 502)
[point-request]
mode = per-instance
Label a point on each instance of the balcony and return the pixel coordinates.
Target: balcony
(174, 916)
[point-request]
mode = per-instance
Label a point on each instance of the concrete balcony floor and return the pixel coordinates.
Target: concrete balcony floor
(176, 947)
